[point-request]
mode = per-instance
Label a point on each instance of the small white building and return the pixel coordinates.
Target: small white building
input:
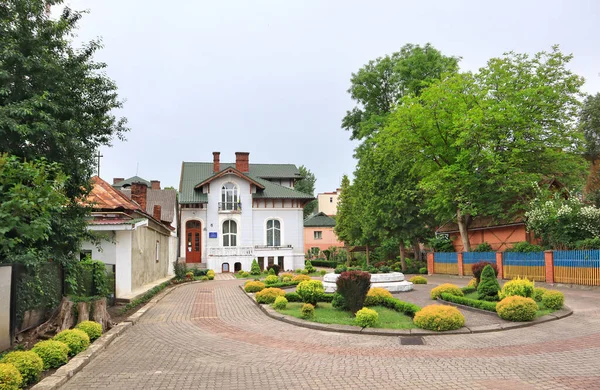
(232, 213)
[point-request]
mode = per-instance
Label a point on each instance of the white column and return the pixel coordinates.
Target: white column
(123, 263)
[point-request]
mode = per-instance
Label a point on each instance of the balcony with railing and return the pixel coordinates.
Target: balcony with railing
(222, 251)
(268, 248)
(230, 207)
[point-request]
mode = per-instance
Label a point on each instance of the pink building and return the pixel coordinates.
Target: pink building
(318, 232)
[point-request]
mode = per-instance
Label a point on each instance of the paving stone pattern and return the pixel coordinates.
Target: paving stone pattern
(211, 336)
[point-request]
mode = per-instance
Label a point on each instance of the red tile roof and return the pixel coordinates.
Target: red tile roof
(104, 197)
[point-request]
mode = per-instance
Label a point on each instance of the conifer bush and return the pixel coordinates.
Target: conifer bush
(478, 267)
(255, 268)
(354, 286)
(488, 286)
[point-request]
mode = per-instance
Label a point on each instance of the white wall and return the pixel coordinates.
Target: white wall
(123, 263)
(108, 248)
(197, 215)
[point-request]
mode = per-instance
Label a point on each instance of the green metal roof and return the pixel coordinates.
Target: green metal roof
(130, 181)
(193, 173)
(319, 220)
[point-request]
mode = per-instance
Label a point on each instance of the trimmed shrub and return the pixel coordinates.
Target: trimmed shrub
(478, 267)
(286, 279)
(91, 328)
(472, 283)
(293, 297)
(423, 270)
(210, 274)
(326, 298)
(254, 268)
(340, 268)
(354, 286)
(304, 272)
(271, 279)
(301, 278)
(488, 287)
(323, 272)
(439, 318)
(538, 293)
(268, 295)
(385, 269)
(418, 280)
(180, 269)
(29, 364)
(251, 287)
(287, 275)
(270, 272)
(476, 303)
(309, 267)
(204, 278)
(366, 318)
(324, 263)
(280, 303)
(468, 290)
(517, 308)
(310, 291)
(53, 353)
(375, 296)
(553, 299)
(307, 311)
(275, 268)
(338, 301)
(446, 288)
(10, 378)
(517, 286)
(410, 309)
(77, 340)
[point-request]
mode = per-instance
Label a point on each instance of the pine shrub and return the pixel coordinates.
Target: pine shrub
(53, 353)
(366, 318)
(517, 309)
(254, 268)
(29, 364)
(488, 287)
(10, 378)
(92, 328)
(439, 318)
(77, 340)
(478, 267)
(310, 291)
(354, 286)
(553, 299)
(446, 288)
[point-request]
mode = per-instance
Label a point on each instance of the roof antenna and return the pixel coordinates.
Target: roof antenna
(137, 168)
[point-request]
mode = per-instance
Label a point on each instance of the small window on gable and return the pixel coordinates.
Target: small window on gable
(331, 199)
(318, 235)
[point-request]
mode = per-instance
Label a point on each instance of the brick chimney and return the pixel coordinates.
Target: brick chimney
(138, 194)
(117, 180)
(156, 212)
(216, 162)
(242, 161)
(155, 184)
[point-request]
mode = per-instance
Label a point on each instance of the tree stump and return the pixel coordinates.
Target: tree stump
(83, 311)
(63, 318)
(101, 315)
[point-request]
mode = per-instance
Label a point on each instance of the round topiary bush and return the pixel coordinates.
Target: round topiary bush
(204, 278)
(366, 318)
(286, 279)
(538, 293)
(323, 272)
(304, 272)
(10, 378)
(376, 295)
(301, 278)
(418, 280)
(439, 318)
(517, 286)
(92, 328)
(29, 364)
(307, 311)
(53, 353)
(310, 291)
(287, 275)
(210, 274)
(553, 299)
(516, 308)
(488, 286)
(271, 279)
(449, 288)
(77, 340)
(280, 303)
(338, 302)
(251, 287)
(268, 295)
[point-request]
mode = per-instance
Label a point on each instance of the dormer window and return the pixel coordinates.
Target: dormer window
(230, 197)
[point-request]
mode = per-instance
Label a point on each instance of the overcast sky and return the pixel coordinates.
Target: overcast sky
(270, 77)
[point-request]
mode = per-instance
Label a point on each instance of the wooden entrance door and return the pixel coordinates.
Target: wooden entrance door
(193, 234)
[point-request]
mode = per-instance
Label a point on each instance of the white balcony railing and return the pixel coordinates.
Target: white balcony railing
(231, 251)
(269, 248)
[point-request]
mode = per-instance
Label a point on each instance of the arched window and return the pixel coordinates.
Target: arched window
(229, 233)
(273, 232)
(230, 197)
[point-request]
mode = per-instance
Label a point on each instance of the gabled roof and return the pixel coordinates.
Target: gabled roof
(104, 197)
(130, 181)
(227, 171)
(195, 173)
(166, 199)
(319, 220)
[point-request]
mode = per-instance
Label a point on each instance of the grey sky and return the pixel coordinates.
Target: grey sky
(270, 77)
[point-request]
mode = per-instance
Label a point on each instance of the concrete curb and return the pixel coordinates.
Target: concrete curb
(562, 313)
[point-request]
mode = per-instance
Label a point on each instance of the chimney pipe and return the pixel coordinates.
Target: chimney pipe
(117, 180)
(216, 162)
(242, 163)
(138, 194)
(155, 184)
(156, 212)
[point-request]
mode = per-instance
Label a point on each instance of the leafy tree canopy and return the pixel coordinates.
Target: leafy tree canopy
(307, 185)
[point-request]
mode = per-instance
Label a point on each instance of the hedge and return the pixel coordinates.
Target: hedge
(483, 305)
(324, 263)
(409, 309)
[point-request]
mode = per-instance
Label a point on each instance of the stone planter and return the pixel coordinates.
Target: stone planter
(393, 282)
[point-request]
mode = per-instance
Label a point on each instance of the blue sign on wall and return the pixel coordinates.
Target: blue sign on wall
(212, 234)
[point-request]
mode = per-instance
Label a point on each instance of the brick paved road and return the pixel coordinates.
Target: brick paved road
(210, 336)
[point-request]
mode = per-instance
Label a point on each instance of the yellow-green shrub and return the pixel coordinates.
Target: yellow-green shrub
(307, 310)
(286, 279)
(449, 288)
(366, 317)
(53, 353)
(10, 378)
(29, 364)
(77, 340)
(517, 286)
(310, 291)
(271, 279)
(301, 278)
(439, 317)
(268, 295)
(517, 308)
(210, 274)
(418, 280)
(538, 293)
(287, 275)
(280, 303)
(376, 295)
(92, 328)
(472, 283)
(553, 299)
(251, 287)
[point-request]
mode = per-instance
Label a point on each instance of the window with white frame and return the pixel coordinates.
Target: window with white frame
(273, 232)
(229, 233)
(318, 235)
(230, 197)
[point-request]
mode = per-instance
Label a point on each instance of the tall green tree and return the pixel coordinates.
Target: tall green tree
(589, 122)
(307, 185)
(55, 102)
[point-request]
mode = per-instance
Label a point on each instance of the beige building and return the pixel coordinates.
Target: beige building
(328, 202)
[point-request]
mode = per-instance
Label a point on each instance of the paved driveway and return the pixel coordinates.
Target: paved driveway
(210, 336)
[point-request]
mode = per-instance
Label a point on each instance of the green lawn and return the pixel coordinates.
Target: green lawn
(542, 310)
(262, 276)
(326, 314)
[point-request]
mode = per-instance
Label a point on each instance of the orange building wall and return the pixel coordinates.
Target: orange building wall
(329, 238)
(500, 238)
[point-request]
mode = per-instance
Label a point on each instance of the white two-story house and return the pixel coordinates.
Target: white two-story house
(232, 213)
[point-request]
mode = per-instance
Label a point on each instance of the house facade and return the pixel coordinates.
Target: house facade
(327, 202)
(232, 213)
(319, 232)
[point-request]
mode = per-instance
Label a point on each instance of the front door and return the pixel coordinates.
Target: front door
(225, 267)
(193, 234)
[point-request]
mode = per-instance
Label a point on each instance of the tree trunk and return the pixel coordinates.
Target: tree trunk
(100, 314)
(417, 249)
(368, 263)
(63, 318)
(402, 256)
(347, 255)
(83, 311)
(463, 228)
